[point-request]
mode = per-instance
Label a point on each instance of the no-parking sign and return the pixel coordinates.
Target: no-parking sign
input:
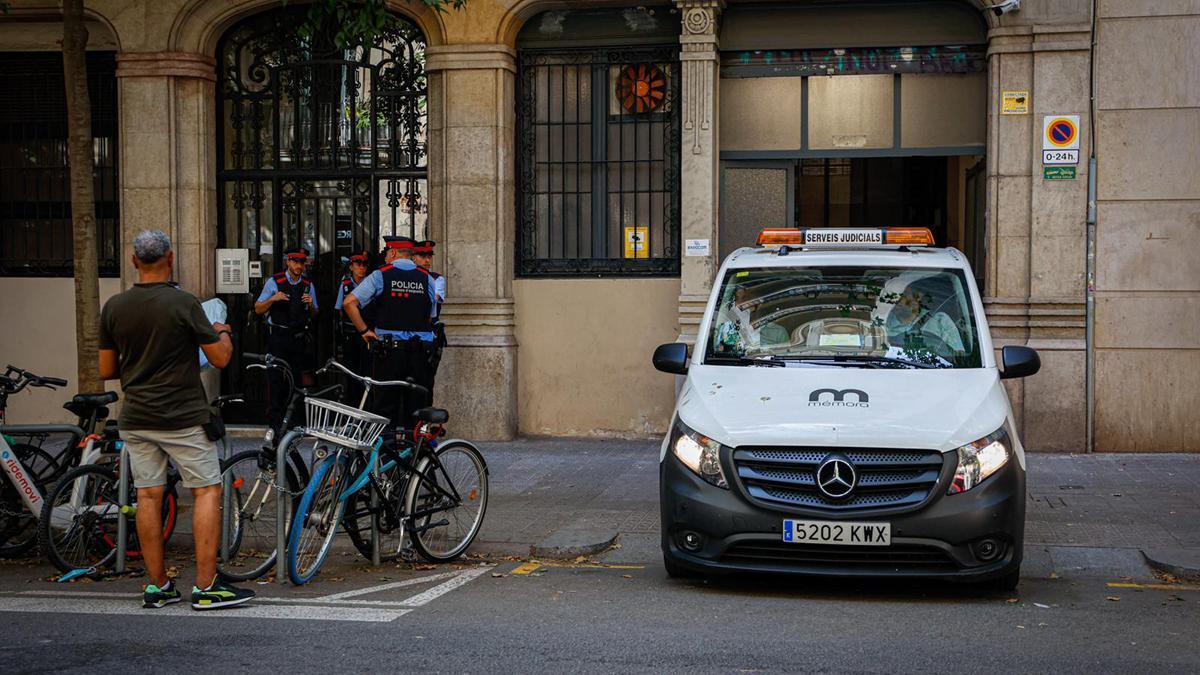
(1060, 139)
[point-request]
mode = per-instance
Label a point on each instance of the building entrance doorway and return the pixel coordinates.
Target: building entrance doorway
(935, 192)
(318, 147)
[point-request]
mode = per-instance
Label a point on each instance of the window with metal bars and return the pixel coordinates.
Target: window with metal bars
(35, 193)
(598, 162)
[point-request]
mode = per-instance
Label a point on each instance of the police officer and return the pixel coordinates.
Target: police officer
(403, 323)
(354, 350)
(423, 257)
(289, 300)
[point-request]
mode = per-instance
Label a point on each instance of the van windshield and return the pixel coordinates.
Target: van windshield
(885, 317)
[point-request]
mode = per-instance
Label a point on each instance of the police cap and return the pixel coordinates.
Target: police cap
(399, 242)
(424, 247)
(297, 253)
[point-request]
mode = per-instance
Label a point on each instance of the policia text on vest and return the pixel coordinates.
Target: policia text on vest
(289, 300)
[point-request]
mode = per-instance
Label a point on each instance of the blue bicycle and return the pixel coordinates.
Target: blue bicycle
(420, 488)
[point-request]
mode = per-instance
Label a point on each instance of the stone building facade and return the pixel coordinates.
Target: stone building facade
(775, 113)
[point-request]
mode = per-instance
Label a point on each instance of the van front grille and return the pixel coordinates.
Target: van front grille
(886, 478)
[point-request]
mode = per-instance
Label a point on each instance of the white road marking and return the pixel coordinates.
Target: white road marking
(343, 606)
(388, 586)
(129, 607)
(441, 589)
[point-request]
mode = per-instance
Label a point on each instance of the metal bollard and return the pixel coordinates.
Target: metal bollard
(122, 507)
(226, 501)
(281, 526)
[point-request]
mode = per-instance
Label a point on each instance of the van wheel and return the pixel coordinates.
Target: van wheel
(1008, 582)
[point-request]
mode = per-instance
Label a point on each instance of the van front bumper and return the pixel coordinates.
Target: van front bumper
(712, 530)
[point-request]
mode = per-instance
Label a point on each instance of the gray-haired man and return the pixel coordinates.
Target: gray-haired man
(148, 338)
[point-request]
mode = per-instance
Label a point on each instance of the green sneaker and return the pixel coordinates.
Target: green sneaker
(156, 598)
(219, 596)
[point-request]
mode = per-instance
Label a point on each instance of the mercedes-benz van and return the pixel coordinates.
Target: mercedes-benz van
(842, 413)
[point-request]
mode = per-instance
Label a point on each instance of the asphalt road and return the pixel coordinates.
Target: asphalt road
(514, 616)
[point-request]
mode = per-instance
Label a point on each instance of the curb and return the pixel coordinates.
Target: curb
(1177, 561)
(572, 543)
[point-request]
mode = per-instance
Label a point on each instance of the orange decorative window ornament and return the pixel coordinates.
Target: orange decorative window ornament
(641, 88)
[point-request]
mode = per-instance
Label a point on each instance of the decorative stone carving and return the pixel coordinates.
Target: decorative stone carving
(166, 64)
(698, 54)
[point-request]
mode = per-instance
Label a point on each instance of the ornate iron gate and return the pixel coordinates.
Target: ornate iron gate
(317, 147)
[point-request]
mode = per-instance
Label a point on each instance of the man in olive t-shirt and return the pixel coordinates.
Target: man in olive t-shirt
(148, 338)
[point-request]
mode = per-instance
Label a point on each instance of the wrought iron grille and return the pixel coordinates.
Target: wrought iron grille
(598, 162)
(35, 192)
(318, 147)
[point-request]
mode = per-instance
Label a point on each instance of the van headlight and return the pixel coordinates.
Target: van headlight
(978, 460)
(699, 453)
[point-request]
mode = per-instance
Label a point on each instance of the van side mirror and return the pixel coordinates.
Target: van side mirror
(671, 358)
(1019, 362)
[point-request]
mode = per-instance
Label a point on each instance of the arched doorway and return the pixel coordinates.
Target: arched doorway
(318, 147)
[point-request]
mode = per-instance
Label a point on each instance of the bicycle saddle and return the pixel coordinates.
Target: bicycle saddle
(432, 415)
(95, 399)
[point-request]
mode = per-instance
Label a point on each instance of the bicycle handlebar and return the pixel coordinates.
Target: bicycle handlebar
(24, 378)
(332, 363)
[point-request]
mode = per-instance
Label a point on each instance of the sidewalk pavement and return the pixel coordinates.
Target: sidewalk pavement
(561, 498)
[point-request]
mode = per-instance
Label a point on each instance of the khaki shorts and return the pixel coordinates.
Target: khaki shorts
(195, 456)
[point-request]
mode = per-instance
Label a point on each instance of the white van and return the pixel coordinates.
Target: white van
(842, 414)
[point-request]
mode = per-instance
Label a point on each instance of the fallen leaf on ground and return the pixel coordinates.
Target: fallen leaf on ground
(627, 576)
(582, 558)
(1038, 604)
(172, 572)
(1054, 575)
(1113, 598)
(497, 575)
(1013, 600)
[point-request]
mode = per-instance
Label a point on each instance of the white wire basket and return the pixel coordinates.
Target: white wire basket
(341, 424)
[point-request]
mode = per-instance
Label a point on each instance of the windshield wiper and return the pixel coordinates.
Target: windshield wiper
(864, 360)
(769, 361)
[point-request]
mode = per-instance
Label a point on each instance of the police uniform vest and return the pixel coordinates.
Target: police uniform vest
(404, 302)
(368, 312)
(293, 313)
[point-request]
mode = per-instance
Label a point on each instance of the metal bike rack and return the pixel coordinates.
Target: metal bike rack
(226, 500)
(281, 495)
(376, 559)
(122, 507)
(23, 429)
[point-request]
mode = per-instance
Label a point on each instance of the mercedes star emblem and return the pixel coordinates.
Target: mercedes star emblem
(836, 477)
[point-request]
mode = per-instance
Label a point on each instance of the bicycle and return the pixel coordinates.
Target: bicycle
(418, 481)
(78, 531)
(253, 484)
(31, 468)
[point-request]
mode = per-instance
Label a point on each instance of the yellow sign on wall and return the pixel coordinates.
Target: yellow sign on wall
(637, 242)
(1014, 103)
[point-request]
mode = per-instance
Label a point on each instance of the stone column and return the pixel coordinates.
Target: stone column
(472, 216)
(700, 156)
(166, 159)
(1036, 229)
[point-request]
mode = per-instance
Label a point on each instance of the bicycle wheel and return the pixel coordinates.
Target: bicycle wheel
(446, 499)
(19, 528)
(357, 520)
(78, 526)
(255, 515)
(317, 518)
